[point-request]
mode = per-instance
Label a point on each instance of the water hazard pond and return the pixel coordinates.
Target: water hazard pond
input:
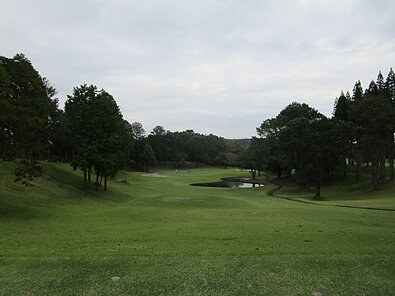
(232, 182)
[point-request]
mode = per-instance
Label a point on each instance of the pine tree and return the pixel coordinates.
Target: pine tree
(390, 85)
(390, 90)
(380, 82)
(373, 89)
(342, 107)
(357, 91)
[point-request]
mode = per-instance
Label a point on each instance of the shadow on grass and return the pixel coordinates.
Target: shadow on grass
(72, 182)
(20, 212)
(61, 175)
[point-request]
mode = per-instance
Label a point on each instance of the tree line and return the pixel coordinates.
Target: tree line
(90, 132)
(182, 149)
(299, 144)
(304, 146)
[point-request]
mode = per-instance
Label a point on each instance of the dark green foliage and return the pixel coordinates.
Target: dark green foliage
(207, 149)
(148, 156)
(136, 130)
(100, 135)
(303, 145)
(26, 106)
(269, 150)
(373, 89)
(390, 92)
(371, 118)
(174, 149)
(375, 115)
(24, 109)
(380, 82)
(342, 107)
(254, 157)
(158, 131)
(270, 127)
(297, 110)
(390, 86)
(357, 91)
(26, 171)
(312, 149)
(60, 138)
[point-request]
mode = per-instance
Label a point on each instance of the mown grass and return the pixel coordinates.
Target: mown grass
(163, 237)
(348, 192)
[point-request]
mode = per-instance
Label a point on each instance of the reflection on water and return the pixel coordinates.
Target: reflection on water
(233, 182)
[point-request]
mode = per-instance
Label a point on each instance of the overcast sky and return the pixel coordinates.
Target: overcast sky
(217, 67)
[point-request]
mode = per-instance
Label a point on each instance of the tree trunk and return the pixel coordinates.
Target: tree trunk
(48, 151)
(351, 160)
(97, 182)
(358, 164)
(374, 171)
(382, 166)
(105, 183)
(317, 190)
(89, 174)
(391, 156)
(253, 172)
(84, 177)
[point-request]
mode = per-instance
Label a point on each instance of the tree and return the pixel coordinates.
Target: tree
(380, 82)
(269, 127)
(373, 89)
(248, 160)
(25, 100)
(137, 130)
(275, 160)
(376, 116)
(297, 110)
(148, 156)
(208, 149)
(357, 91)
(100, 134)
(158, 131)
(390, 90)
(342, 107)
(312, 150)
(80, 117)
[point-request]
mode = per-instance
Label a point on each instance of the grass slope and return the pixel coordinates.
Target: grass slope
(348, 192)
(163, 237)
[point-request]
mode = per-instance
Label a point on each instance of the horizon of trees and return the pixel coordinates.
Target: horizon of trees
(299, 144)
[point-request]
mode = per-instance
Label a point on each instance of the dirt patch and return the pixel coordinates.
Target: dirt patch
(155, 175)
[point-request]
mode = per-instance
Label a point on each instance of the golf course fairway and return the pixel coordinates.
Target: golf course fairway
(150, 235)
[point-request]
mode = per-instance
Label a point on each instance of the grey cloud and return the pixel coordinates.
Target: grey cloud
(213, 66)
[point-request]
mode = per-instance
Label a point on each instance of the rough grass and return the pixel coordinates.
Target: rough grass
(163, 237)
